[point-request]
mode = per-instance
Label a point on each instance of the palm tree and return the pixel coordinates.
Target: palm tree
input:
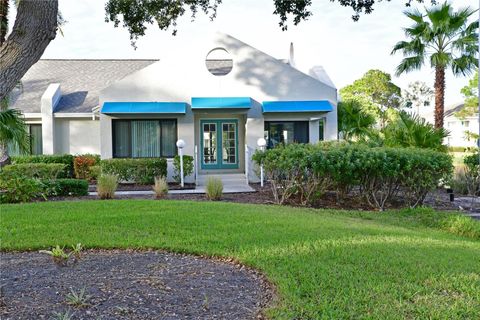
(447, 39)
(12, 130)
(353, 122)
(410, 130)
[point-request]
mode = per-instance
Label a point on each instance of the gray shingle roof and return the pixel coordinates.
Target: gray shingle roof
(80, 81)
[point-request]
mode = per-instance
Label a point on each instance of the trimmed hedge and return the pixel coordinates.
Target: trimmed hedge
(36, 170)
(65, 187)
(300, 173)
(65, 159)
(142, 171)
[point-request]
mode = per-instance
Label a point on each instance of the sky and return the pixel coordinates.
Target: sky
(346, 49)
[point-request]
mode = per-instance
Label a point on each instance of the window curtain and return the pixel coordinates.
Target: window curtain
(121, 134)
(36, 146)
(168, 138)
(145, 142)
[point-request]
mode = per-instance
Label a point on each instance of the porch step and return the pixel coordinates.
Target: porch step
(228, 179)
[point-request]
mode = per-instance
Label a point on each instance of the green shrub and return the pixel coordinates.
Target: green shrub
(66, 187)
(301, 173)
(188, 167)
(36, 170)
(214, 189)
(15, 189)
(141, 171)
(65, 159)
(107, 185)
(161, 187)
(471, 173)
(82, 165)
(95, 172)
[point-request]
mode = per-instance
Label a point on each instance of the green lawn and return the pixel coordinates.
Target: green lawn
(326, 264)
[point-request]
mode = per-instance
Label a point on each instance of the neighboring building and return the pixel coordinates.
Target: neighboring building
(457, 127)
(220, 105)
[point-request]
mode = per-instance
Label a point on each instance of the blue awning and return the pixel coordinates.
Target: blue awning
(297, 106)
(144, 107)
(222, 103)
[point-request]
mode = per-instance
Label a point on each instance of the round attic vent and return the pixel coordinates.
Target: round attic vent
(219, 62)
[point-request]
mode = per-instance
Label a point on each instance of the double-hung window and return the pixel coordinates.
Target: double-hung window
(144, 138)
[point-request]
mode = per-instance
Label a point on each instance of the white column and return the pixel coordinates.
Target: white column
(49, 100)
(313, 131)
(331, 125)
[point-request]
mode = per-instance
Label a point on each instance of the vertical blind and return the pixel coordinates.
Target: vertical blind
(144, 138)
(36, 146)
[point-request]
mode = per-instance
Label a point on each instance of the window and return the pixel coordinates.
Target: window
(144, 138)
(36, 146)
(286, 132)
(321, 130)
(466, 124)
(219, 62)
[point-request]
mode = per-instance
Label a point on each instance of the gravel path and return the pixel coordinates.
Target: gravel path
(130, 285)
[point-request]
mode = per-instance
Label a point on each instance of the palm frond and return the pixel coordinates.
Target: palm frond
(13, 129)
(464, 65)
(441, 59)
(410, 64)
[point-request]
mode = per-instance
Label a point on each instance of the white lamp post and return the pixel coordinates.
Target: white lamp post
(180, 146)
(261, 143)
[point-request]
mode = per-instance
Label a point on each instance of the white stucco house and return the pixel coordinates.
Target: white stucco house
(457, 127)
(220, 98)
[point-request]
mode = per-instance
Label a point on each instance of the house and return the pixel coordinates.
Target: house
(220, 97)
(460, 128)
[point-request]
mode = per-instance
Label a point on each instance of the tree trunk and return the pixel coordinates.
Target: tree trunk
(439, 96)
(3, 20)
(35, 26)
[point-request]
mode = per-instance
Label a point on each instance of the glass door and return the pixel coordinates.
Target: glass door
(219, 144)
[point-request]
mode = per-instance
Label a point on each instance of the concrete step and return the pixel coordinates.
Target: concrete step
(230, 179)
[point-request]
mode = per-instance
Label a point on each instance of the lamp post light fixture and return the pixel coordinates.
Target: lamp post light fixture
(261, 143)
(180, 145)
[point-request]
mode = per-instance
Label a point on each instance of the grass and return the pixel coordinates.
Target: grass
(326, 264)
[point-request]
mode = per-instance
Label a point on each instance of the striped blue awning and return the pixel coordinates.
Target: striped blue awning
(222, 103)
(144, 107)
(297, 106)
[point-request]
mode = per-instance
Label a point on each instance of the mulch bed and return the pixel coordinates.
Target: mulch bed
(131, 285)
(438, 199)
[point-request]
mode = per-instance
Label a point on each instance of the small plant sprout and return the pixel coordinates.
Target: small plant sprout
(66, 315)
(78, 299)
(59, 256)
(77, 251)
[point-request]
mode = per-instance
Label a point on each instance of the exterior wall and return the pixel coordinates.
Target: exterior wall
(457, 137)
(77, 136)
